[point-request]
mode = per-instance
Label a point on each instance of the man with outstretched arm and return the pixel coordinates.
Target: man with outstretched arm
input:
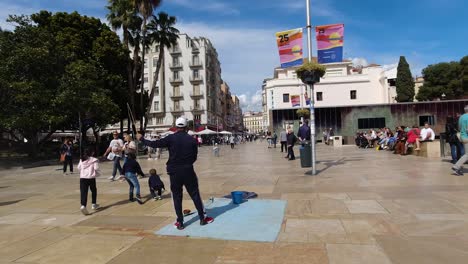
(183, 152)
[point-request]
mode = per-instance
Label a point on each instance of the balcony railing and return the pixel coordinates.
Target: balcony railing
(175, 50)
(177, 65)
(195, 64)
(196, 108)
(177, 109)
(195, 50)
(176, 95)
(176, 80)
(196, 94)
(196, 79)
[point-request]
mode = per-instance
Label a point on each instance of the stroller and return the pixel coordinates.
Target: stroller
(361, 141)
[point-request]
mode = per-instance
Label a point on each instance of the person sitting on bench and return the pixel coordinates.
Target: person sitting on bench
(427, 134)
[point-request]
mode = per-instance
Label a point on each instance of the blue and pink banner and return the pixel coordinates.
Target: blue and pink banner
(330, 43)
(295, 100)
(290, 47)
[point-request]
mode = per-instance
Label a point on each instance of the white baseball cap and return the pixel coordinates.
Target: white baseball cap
(181, 122)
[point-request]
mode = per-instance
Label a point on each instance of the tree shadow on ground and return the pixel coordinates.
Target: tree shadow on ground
(112, 205)
(10, 202)
(331, 163)
(215, 212)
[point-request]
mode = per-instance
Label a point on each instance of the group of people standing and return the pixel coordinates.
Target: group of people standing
(183, 151)
(288, 139)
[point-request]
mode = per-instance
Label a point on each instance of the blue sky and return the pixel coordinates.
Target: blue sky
(425, 31)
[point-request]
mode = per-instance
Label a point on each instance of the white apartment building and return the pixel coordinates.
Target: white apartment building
(188, 85)
(253, 122)
(342, 85)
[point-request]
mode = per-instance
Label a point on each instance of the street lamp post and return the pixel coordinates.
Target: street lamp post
(312, 111)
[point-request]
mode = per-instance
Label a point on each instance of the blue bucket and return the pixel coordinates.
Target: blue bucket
(237, 197)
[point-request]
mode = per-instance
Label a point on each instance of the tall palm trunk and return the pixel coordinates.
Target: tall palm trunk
(143, 50)
(153, 86)
(131, 83)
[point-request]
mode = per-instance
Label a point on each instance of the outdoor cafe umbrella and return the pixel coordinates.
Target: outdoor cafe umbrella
(206, 132)
(225, 132)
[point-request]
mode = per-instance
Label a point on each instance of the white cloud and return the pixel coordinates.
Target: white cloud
(359, 61)
(247, 56)
(207, 5)
(251, 102)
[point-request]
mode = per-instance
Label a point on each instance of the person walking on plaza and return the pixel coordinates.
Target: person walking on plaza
(129, 146)
(131, 168)
(115, 154)
(231, 140)
(155, 185)
(291, 140)
(463, 126)
(67, 151)
(283, 139)
(183, 153)
(274, 138)
(456, 147)
(89, 170)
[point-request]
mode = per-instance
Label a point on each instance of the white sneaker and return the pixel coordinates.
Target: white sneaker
(111, 178)
(95, 206)
(84, 210)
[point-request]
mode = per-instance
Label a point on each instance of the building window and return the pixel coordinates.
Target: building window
(176, 105)
(196, 89)
(366, 123)
(156, 91)
(427, 118)
(195, 59)
(159, 120)
(145, 79)
(352, 94)
(319, 96)
(155, 61)
(196, 104)
(175, 61)
(196, 74)
(156, 106)
(175, 75)
(285, 98)
(146, 63)
(176, 90)
(197, 117)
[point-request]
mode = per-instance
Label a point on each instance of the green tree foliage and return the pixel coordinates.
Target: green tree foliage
(464, 74)
(441, 78)
(55, 67)
(404, 82)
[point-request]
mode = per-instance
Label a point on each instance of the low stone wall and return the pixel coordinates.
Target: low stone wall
(429, 149)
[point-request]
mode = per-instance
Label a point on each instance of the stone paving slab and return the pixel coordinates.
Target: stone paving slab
(364, 206)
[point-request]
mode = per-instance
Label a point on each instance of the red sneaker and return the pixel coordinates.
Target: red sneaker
(206, 220)
(179, 225)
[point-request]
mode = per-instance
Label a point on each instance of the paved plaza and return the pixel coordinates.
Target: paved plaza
(363, 206)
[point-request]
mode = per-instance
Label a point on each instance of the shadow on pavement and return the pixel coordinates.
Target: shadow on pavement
(10, 202)
(331, 163)
(215, 212)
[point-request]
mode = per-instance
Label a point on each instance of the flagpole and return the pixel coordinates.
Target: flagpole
(312, 111)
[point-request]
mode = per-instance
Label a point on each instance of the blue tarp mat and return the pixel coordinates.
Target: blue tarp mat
(252, 220)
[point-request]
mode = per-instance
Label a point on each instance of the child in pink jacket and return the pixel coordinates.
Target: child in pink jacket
(89, 170)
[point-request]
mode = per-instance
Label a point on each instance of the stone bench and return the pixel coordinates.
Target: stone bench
(429, 149)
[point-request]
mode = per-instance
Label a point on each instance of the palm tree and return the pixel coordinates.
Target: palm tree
(123, 15)
(163, 32)
(146, 8)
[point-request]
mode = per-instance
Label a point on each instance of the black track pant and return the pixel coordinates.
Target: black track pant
(283, 145)
(84, 185)
(154, 190)
(68, 161)
(185, 176)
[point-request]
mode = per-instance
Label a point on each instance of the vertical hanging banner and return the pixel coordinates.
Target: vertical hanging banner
(290, 47)
(295, 100)
(330, 43)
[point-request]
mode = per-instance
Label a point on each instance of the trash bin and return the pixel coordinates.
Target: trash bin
(305, 151)
(337, 141)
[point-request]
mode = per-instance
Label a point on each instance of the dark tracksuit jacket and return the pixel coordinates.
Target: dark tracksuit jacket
(183, 151)
(155, 184)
